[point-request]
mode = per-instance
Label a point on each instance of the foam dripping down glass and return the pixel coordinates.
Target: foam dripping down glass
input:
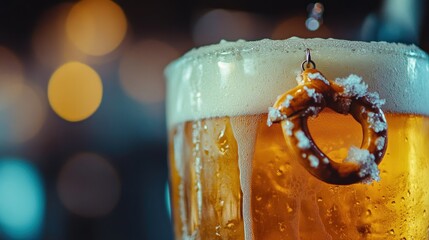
(233, 177)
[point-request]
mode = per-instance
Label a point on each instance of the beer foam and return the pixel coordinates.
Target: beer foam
(242, 78)
(245, 131)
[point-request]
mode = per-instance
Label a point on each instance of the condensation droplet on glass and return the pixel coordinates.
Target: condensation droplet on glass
(258, 198)
(222, 142)
(319, 199)
(282, 226)
(279, 172)
(218, 230)
(230, 225)
(368, 212)
(391, 231)
(289, 209)
(393, 202)
(364, 229)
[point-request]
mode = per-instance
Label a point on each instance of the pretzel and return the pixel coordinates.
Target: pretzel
(311, 96)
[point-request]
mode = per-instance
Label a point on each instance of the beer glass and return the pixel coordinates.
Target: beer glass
(233, 177)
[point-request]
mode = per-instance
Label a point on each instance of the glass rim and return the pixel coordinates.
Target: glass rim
(295, 44)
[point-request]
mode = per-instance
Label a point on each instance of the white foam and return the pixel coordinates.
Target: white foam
(245, 134)
(239, 78)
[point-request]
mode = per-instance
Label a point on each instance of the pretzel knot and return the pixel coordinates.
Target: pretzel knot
(314, 93)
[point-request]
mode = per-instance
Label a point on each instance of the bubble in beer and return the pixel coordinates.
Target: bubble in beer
(75, 91)
(368, 212)
(88, 185)
(96, 27)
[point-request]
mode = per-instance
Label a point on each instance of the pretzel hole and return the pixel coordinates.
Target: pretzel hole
(335, 133)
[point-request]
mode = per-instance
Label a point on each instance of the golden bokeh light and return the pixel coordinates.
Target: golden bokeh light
(96, 27)
(295, 26)
(75, 91)
(141, 70)
(11, 76)
(88, 185)
(24, 116)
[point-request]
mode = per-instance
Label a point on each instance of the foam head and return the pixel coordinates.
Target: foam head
(243, 78)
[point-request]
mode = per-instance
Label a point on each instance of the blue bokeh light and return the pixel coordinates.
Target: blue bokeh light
(22, 201)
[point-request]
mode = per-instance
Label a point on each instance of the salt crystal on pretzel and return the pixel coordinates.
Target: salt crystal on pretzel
(365, 160)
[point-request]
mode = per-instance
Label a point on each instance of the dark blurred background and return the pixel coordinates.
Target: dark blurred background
(88, 160)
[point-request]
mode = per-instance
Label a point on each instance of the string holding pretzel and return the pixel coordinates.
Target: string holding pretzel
(344, 96)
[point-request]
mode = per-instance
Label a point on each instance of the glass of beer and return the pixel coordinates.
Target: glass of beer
(233, 177)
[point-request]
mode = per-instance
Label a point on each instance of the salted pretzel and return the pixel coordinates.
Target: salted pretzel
(314, 93)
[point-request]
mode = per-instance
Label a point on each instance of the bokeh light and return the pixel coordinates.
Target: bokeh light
(219, 24)
(88, 185)
(23, 117)
(296, 26)
(141, 70)
(50, 43)
(11, 76)
(315, 16)
(312, 24)
(75, 91)
(96, 27)
(22, 201)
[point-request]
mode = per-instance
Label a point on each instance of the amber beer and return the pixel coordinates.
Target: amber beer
(233, 177)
